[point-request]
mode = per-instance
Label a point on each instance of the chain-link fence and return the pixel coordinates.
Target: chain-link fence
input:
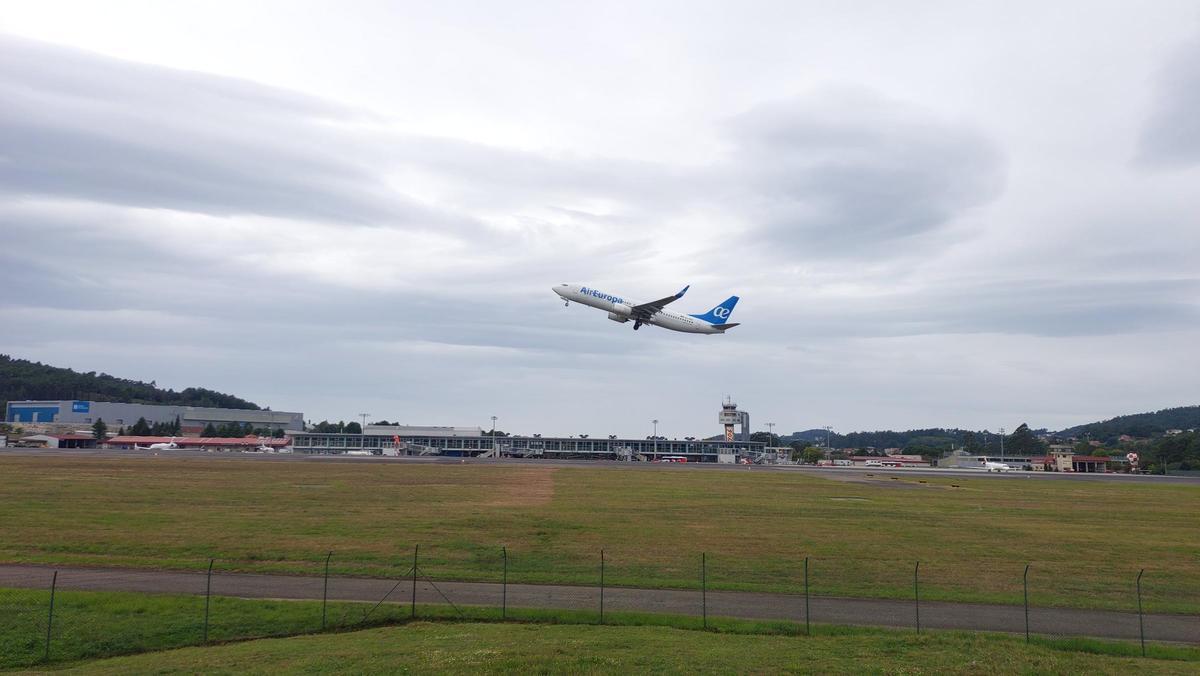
(49, 615)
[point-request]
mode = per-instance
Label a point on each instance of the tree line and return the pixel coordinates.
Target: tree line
(1179, 452)
(929, 443)
(143, 428)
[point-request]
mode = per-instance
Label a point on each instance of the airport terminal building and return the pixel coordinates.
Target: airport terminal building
(192, 419)
(472, 442)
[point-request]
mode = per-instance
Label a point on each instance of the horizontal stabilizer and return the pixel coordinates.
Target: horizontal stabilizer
(726, 326)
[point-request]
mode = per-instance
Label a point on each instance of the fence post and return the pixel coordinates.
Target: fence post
(504, 587)
(704, 587)
(325, 591)
(807, 624)
(207, 597)
(1141, 625)
(50, 620)
(917, 594)
(413, 608)
(601, 586)
(1025, 583)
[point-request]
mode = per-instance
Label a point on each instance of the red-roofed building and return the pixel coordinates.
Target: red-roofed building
(1065, 461)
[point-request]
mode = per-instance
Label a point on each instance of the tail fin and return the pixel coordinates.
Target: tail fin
(719, 314)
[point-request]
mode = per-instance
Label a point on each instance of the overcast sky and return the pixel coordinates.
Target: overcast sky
(935, 213)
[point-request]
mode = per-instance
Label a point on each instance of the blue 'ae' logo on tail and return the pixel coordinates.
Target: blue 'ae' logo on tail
(719, 314)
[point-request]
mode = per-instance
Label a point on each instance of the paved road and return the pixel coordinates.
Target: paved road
(827, 472)
(869, 612)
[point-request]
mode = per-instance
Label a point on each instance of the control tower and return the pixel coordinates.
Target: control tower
(730, 416)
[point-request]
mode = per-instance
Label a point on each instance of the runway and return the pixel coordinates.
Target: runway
(812, 470)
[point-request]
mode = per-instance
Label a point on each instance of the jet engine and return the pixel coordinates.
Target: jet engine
(618, 317)
(619, 310)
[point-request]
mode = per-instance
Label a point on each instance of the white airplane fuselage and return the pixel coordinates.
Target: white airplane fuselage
(620, 309)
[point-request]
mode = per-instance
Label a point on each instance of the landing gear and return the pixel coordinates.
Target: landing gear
(637, 325)
(567, 303)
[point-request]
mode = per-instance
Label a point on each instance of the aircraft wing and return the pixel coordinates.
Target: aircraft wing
(652, 308)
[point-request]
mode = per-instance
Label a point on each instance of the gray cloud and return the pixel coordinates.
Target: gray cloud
(835, 172)
(848, 172)
(82, 126)
(133, 269)
(1030, 307)
(1171, 134)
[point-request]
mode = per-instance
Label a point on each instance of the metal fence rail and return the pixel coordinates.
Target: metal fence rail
(49, 615)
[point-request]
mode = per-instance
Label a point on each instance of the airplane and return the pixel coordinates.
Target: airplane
(164, 446)
(996, 466)
(622, 310)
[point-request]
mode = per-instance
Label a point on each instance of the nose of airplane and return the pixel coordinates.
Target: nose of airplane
(559, 289)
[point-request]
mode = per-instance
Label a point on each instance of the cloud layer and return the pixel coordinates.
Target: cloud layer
(901, 262)
(1171, 135)
(852, 174)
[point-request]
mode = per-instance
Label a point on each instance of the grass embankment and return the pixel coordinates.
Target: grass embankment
(973, 536)
(475, 648)
(92, 625)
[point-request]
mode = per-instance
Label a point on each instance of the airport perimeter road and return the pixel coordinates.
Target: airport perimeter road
(825, 610)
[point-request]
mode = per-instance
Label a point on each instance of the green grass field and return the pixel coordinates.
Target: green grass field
(435, 647)
(973, 536)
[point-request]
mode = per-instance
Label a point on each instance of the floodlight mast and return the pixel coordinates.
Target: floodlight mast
(655, 421)
(362, 431)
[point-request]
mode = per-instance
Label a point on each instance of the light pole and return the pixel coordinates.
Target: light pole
(655, 438)
(771, 433)
(362, 431)
(493, 436)
(1001, 444)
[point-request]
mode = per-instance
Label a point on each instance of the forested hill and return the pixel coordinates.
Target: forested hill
(1139, 424)
(915, 441)
(23, 379)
